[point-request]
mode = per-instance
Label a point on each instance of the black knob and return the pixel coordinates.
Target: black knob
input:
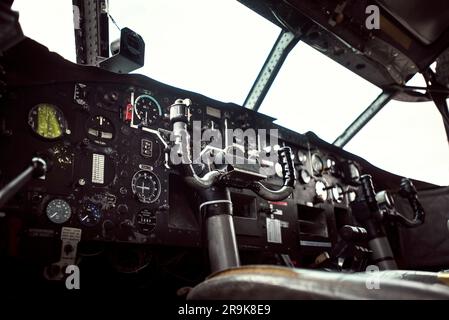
(353, 233)
(122, 209)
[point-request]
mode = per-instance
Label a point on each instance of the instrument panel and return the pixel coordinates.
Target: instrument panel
(110, 175)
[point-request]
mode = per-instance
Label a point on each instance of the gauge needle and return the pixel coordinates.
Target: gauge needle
(143, 187)
(85, 217)
(53, 215)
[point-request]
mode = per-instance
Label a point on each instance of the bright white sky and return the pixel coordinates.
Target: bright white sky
(218, 47)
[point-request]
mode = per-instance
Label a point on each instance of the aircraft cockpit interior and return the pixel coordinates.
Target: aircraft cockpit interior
(129, 179)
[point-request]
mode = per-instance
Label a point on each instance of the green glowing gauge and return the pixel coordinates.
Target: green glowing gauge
(47, 121)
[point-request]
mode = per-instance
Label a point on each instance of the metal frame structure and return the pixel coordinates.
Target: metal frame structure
(92, 46)
(439, 95)
(281, 48)
(91, 25)
(364, 118)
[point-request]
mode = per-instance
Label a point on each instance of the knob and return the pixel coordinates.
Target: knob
(108, 229)
(353, 234)
(122, 209)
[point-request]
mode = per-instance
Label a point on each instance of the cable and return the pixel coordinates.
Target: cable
(110, 16)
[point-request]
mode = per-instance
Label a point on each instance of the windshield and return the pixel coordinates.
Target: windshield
(215, 48)
(314, 93)
(408, 139)
(49, 22)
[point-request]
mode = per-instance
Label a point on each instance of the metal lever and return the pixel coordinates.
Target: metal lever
(37, 169)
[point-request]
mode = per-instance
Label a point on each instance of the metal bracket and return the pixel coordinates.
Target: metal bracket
(283, 45)
(364, 118)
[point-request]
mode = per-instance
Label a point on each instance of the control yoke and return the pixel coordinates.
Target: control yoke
(407, 191)
(230, 175)
(216, 207)
(381, 208)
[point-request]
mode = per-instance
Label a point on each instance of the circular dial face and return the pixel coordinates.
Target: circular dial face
(330, 164)
(317, 164)
(338, 193)
(47, 121)
(321, 191)
(58, 211)
(90, 214)
(302, 158)
(146, 186)
(305, 176)
(100, 129)
(147, 109)
(354, 173)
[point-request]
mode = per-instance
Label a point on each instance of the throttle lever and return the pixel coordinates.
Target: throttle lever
(37, 169)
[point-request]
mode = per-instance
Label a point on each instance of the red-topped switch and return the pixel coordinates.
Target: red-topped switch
(128, 112)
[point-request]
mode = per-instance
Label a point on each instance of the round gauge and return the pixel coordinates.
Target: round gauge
(330, 164)
(354, 173)
(338, 193)
(317, 164)
(305, 176)
(147, 109)
(146, 220)
(302, 158)
(100, 129)
(47, 121)
(146, 186)
(278, 170)
(90, 214)
(58, 211)
(321, 191)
